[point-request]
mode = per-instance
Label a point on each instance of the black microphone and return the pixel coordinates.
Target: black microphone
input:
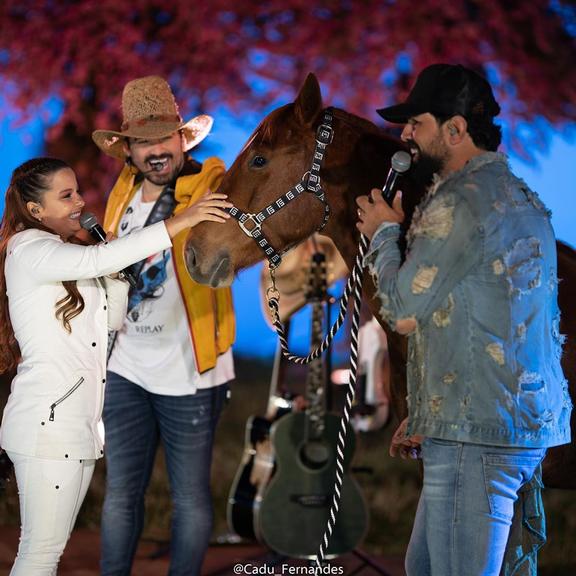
(88, 222)
(399, 164)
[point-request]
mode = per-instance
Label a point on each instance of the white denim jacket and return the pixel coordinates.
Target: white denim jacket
(57, 395)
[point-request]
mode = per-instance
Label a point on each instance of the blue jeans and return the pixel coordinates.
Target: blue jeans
(466, 507)
(134, 421)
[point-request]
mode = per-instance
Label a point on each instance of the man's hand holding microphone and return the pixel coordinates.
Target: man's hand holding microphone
(382, 205)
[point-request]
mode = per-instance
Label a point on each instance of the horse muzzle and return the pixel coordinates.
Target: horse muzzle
(216, 273)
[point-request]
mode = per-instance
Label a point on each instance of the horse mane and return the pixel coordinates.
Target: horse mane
(267, 132)
(354, 121)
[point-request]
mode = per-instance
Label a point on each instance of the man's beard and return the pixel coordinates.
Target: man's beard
(425, 167)
(162, 180)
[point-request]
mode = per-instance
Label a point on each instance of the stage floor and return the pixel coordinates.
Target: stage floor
(82, 554)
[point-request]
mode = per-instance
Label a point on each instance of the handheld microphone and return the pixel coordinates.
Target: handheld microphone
(399, 164)
(88, 222)
(156, 166)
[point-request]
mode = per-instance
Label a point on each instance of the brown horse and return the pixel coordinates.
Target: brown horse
(276, 157)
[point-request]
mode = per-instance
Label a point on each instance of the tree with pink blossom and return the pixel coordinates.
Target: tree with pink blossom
(248, 54)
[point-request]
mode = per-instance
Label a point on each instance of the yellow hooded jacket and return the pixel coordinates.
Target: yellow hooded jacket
(210, 311)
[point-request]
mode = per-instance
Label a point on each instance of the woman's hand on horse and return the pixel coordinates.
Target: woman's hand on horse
(373, 210)
(207, 208)
(406, 446)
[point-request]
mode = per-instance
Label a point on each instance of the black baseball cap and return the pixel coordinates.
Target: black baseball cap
(445, 90)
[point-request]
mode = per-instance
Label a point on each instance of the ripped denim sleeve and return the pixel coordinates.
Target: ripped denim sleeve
(445, 244)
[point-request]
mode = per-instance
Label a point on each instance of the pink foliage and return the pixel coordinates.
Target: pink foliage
(84, 51)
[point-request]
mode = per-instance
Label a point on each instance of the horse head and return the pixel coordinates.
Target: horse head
(278, 156)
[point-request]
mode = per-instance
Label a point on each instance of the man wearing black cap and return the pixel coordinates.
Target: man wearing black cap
(477, 297)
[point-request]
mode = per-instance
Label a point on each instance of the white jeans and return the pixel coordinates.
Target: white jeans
(51, 493)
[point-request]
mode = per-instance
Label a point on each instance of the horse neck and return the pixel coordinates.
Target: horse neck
(358, 161)
(361, 162)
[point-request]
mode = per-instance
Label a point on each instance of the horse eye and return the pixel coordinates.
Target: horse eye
(258, 162)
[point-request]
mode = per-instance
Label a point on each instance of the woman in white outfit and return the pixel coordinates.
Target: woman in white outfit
(57, 301)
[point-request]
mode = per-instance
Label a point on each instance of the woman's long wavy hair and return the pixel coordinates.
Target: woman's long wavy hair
(28, 184)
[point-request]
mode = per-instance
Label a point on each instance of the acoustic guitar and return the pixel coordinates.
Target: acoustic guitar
(295, 507)
(257, 464)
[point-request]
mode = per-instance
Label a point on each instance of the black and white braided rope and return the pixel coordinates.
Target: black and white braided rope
(354, 284)
(354, 280)
(345, 420)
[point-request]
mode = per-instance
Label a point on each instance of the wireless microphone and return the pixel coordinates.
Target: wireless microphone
(399, 164)
(88, 222)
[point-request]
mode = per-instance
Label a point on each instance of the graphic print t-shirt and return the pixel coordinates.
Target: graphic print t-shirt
(154, 347)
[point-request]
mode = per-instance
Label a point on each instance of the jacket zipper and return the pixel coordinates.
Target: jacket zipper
(60, 400)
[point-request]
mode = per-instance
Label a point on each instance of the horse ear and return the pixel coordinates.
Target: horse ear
(308, 104)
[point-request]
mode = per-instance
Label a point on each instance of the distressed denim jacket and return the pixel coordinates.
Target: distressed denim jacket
(480, 280)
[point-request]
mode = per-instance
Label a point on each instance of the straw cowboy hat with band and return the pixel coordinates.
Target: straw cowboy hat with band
(150, 112)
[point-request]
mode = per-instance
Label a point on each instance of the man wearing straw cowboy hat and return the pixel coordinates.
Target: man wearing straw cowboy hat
(170, 363)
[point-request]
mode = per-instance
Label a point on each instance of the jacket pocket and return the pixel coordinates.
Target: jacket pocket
(62, 398)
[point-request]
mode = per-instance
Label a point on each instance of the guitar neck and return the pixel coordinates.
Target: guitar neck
(316, 380)
(275, 401)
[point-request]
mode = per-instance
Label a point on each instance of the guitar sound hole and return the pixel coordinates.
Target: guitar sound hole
(315, 454)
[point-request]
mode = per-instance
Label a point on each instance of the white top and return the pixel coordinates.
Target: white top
(56, 397)
(154, 348)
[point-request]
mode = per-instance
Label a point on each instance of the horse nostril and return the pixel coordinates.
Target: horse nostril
(190, 258)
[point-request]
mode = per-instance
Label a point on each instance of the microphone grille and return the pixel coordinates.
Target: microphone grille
(401, 161)
(88, 220)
